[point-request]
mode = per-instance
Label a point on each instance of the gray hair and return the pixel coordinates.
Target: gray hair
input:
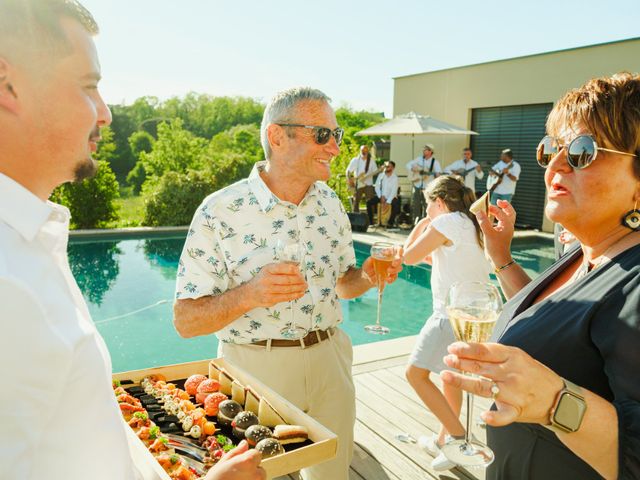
(281, 108)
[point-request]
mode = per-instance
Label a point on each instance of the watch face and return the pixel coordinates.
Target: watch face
(570, 411)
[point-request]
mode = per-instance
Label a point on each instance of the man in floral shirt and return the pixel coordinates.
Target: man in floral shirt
(232, 279)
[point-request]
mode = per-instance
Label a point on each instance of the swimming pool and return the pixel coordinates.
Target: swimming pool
(129, 287)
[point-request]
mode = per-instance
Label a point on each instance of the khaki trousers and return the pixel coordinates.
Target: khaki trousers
(318, 380)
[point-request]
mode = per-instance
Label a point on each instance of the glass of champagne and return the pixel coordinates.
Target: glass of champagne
(291, 253)
(382, 253)
(472, 308)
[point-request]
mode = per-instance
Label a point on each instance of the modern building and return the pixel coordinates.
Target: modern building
(507, 103)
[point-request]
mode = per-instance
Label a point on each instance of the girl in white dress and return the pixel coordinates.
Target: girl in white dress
(449, 238)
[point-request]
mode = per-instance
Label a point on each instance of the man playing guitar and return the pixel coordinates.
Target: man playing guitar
(360, 174)
(422, 171)
(503, 177)
(467, 168)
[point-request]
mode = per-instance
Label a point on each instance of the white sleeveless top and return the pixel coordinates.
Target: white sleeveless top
(464, 260)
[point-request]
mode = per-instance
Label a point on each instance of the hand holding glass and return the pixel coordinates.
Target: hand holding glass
(291, 253)
(382, 254)
(472, 308)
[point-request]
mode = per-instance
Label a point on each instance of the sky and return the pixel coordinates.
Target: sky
(350, 49)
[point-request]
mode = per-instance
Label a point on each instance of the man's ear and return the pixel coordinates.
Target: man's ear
(8, 96)
(275, 135)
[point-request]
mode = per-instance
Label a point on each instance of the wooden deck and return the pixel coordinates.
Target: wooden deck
(385, 406)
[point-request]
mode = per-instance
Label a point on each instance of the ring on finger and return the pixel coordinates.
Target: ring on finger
(495, 390)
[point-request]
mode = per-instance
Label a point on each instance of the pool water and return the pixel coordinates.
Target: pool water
(129, 287)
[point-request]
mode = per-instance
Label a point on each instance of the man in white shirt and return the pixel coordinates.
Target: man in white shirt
(60, 418)
(422, 171)
(276, 319)
(386, 194)
(467, 168)
(360, 173)
(503, 177)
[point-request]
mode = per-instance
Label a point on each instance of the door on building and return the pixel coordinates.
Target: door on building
(520, 128)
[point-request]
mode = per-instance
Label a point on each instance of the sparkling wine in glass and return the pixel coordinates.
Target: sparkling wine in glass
(383, 254)
(472, 308)
(291, 253)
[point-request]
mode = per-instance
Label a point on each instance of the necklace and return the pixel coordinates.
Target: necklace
(586, 267)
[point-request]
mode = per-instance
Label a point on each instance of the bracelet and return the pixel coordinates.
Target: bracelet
(503, 267)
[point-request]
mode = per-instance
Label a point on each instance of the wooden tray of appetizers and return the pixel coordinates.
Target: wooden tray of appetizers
(187, 415)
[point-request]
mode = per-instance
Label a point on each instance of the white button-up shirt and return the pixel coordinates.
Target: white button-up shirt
(507, 186)
(387, 186)
(470, 174)
(234, 234)
(59, 418)
(423, 165)
(358, 166)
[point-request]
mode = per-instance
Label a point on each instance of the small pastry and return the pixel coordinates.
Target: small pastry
(268, 415)
(251, 401)
(269, 447)
(191, 384)
(290, 434)
(237, 392)
(205, 388)
(212, 403)
(227, 410)
(481, 204)
(242, 421)
(255, 433)
(225, 382)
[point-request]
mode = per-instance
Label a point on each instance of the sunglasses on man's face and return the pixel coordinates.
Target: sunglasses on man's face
(581, 152)
(321, 135)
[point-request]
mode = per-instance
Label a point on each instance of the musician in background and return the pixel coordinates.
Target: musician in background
(360, 174)
(506, 174)
(467, 168)
(422, 171)
(386, 196)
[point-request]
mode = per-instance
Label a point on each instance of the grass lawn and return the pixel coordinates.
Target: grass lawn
(130, 210)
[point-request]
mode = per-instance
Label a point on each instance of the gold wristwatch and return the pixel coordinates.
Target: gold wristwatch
(568, 410)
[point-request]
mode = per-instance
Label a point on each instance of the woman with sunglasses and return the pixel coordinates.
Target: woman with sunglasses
(565, 375)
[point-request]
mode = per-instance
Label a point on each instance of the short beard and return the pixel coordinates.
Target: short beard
(84, 170)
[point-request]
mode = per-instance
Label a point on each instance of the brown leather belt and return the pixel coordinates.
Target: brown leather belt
(313, 337)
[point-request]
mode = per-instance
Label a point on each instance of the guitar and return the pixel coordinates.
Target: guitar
(494, 180)
(352, 180)
(423, 175)
(463, 172)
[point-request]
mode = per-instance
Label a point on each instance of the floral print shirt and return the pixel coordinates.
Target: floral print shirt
(235, 232)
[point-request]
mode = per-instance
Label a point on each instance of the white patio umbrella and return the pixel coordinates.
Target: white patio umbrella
(414, 124)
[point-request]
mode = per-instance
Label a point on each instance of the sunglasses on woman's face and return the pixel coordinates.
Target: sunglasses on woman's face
(321, 135)
(581, 152)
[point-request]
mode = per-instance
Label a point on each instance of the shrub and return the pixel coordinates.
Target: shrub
(92, 201)
(173, 199)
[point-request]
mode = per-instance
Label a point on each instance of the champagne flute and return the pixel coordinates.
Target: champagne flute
(472, 308)
(291, 253)
(382, 253)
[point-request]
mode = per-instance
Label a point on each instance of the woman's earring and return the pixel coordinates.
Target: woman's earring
(631, 219)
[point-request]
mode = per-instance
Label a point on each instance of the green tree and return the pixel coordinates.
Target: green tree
(173, 200)
(231, 154)
(352, 122)
(206, 116)
(175, 150)
(92, 201)
(139, 142)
